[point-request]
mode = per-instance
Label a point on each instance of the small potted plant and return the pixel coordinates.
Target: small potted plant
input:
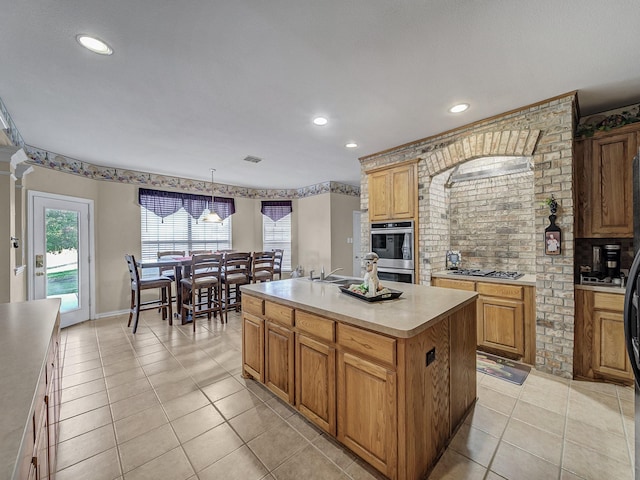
(552, 203)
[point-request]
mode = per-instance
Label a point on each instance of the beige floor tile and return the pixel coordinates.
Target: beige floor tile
(112, 358)
(602, 411)
(625, 393)
(495, 400)
(475, 444)
(82, 357)
(599, 387)
(501, 386)
(169, 391)
(515, 464)
(277, 444)
(139, 423)
(161, 366)
(607, 443)
(280, 407)
(125, 377)
(223, 388)
(84, 446)
(237, 403)
(332, 449)
(132, 405)
(493, 476)
(158, 356)
(211, 446)
(554, 399)
(304, 427)
(240, 464)
(81, 367)
(168, 376)
(127, 390)
(121, 366)
(567, 475)
(308, 463)
(534, 440)
(103, 466)
(146, 447)
(254, 422)
(171, 465)
(82, 377)
(82, 390)
(207, 376)
(487, 420)
(83, 423)
(196, 423)
(148, 349)
(593, 465)
(83, 405)
(539, 417)
(188, 403)
(453, 466)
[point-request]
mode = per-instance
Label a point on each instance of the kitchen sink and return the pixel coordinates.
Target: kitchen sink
(340, 281)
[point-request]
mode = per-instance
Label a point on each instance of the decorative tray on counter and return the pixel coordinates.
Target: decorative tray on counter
(390, 295)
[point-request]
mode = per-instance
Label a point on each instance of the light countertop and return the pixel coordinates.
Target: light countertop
(528, 279)
(27, 328)
(417, 309)
(601, 288)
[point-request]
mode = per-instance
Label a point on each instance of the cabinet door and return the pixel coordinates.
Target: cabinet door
(402, 192)
(316, 382)
(278, 371)
(367, 411)
(612, 188)
(456, 284)
(253, 347)
(501, 324)
(379, 193)
(609, 350)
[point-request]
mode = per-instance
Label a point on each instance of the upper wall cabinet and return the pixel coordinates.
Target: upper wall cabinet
(604, 188)
(393, 192)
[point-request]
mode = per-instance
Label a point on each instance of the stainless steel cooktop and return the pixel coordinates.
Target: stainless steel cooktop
(487, 273)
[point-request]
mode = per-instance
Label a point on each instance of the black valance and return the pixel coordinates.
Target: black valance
(164, 203)
(276, 210)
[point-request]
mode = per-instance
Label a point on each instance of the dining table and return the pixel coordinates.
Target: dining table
(181, 268)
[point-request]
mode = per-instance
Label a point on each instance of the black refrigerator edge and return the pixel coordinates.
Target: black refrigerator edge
(631, 310)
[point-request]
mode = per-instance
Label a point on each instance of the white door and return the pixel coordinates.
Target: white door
(60, 251)
(357, 235)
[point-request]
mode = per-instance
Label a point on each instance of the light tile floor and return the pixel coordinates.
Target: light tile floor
(168, 404)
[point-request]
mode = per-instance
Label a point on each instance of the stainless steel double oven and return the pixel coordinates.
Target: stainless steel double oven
(393, 242)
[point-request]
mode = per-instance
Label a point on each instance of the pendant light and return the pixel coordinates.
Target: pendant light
(212, 217)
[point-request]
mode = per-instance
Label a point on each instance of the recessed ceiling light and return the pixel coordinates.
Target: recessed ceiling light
(351, 145)
(461, 107)
(94, 44)
(320, 121)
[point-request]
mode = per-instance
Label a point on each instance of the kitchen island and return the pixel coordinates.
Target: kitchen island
(391, 380)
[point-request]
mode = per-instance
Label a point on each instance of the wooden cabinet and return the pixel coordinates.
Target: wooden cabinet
(279, 351)
(600, 349)
(393, 192)
(505, 317)
(371, 391)
(604, 188)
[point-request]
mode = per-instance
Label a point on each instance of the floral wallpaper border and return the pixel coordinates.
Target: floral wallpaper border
(64, 164)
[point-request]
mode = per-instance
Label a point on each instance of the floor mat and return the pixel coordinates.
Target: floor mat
(501, 368)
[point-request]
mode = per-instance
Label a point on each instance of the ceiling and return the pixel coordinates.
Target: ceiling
(203, 84)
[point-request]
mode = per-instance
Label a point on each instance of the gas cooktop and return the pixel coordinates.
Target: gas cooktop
(487, 273)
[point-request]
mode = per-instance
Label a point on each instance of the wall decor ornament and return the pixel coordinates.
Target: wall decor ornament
(552, 234)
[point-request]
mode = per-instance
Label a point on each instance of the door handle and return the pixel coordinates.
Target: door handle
(39, 274)
(39, 261)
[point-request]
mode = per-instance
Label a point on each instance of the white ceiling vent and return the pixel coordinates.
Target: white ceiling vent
(251, 159)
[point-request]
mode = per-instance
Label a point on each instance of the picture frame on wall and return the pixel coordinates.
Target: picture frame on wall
(552, 242)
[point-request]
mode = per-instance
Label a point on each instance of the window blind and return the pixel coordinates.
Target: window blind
(278, 235)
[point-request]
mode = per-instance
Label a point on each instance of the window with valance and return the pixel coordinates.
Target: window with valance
(276, 210)
(164, 203)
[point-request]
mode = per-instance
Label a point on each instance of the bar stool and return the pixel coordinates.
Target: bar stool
(236, 272)
(277, 266)
(137, 285)
(262, 266)
(205, 275)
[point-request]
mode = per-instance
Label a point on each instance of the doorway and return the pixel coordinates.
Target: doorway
(60, 252)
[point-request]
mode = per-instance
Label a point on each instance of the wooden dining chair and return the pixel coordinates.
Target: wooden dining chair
(262, 266)
(277, 266)
(138, 285)
(236, 272)
(199, 252)
(205, 276)
(169, 271)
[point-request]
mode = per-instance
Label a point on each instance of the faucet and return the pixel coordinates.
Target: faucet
(311, 275)
(323, 276)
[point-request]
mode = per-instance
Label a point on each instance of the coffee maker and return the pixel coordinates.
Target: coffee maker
(612, 260)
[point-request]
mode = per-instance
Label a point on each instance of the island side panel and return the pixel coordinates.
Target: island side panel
(463, 363)
(424, 397)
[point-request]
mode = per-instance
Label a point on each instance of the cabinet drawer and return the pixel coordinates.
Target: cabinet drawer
(608, 301)
(500, 290)
(367, 343)
(457, 284)
(253, 305)
(279, 313)
(314, 325)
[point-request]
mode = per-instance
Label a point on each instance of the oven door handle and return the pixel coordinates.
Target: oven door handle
(392, 230)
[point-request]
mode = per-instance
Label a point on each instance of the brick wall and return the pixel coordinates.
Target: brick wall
(544, 132)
